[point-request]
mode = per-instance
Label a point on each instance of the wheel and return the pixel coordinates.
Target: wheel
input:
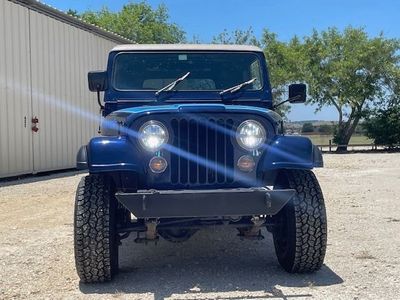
(300, 235)
(95, 239)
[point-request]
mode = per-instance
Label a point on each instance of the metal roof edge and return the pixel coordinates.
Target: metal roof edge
(62, 16)
(196, 47)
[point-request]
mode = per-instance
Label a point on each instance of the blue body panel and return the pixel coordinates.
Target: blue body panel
(118, 149)
(132, 113)
(119, 153)
(290, 152)
(108, 154)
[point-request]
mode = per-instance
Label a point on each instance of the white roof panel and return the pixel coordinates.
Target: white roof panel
(185, 47)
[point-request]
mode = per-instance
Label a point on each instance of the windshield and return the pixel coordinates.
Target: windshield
(208, 71)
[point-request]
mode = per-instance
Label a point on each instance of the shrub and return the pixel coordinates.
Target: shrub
(384, 127)
(307, 127)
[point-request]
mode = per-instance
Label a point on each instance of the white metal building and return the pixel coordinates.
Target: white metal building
(44, 59)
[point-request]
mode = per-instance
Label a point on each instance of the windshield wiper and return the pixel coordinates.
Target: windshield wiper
(173, 84)
(238, 87)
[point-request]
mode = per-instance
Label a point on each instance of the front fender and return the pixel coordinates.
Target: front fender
(106, 154)
(291, 152)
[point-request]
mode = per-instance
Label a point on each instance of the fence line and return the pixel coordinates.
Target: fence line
(332, 145)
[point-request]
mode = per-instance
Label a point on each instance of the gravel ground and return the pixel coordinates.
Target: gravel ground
(362, 197)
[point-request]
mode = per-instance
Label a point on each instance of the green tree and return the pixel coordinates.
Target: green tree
(285, 64)
(307, 128)
(279, 56)
(352, 72)
(325, 129)
(73, 12)
(239, 37)
(384, 126)
(138, 22)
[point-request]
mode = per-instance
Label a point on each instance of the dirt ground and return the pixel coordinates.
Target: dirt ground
(363, 256)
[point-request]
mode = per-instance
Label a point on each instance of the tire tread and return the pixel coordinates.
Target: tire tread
(310, 221)
(92, 230)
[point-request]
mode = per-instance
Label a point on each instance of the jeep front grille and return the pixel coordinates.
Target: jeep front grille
(207, 154)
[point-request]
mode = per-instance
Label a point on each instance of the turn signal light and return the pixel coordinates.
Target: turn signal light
(246, 163)
(158, 164)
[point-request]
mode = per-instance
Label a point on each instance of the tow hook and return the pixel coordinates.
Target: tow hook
(151, 234)
(253, 232)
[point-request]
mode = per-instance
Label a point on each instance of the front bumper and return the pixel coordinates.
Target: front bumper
(205, 203)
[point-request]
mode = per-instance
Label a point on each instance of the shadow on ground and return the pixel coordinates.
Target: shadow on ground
(32, 178)
(213, 261)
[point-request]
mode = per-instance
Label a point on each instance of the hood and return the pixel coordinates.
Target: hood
(132, 113)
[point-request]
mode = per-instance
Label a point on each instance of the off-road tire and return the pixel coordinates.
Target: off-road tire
(302, 223)
(96, 247)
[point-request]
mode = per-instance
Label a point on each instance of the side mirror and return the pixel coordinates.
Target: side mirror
(297, 93)
(97, 81)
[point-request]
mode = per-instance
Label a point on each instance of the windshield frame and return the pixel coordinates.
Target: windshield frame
(112, 77)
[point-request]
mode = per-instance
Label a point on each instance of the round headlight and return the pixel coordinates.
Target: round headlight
(250, 135)
(152, 135)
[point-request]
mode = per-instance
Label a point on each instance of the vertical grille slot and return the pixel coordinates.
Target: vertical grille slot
(204, 151)
(193, 150)
(174, 156)
(229, 159)
(220, 147)
(211, 153)
(183, 133)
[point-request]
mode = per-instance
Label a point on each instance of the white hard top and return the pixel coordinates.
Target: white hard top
(185, 47)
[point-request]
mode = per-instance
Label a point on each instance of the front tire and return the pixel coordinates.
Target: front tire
(300, 236)
(96, 247)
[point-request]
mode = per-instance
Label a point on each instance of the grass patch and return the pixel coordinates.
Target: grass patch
(324, 139)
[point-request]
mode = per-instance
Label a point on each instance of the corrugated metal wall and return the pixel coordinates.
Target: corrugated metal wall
(67, 112)
(15, 91)
(43, 73)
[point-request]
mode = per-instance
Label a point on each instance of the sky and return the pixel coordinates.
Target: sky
(207, 18)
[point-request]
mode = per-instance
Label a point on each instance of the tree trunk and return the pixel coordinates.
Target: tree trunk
(341, 138)
(345, 132)
(343, 143)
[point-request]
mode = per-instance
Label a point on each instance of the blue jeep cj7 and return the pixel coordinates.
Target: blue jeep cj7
(190, 140)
